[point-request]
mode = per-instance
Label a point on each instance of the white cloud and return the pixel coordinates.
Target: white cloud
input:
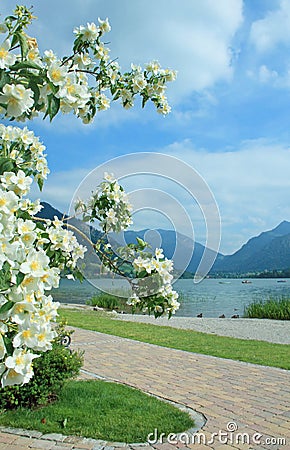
(273, 29)
(271, 77)
(191, 37)
(60, 187)
(251, 186)
(267, 75)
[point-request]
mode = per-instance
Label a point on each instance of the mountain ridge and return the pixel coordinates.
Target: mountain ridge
(270, 250)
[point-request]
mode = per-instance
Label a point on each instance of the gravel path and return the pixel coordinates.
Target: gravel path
(276, 331)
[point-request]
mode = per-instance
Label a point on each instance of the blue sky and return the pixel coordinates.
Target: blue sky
(230, 115)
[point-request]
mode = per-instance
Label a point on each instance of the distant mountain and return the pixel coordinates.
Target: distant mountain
(48, 212)
(186, 253)
(270, 250)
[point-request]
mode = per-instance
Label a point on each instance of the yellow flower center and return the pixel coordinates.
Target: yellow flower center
(19, 309)
(26, 334)
(71, 89)
(35, 265)
(19, 360)
(29, 298)
(27, 281)
(3, 53)
(56, 75)
(13, 100)
(12, 373)
(31, 56)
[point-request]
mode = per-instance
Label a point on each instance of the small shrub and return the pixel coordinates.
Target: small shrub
(51, 370)
(117, 300)
(104, 300)
(278, 309)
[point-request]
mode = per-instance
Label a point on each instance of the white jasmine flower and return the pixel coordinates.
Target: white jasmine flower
(104, 25)
(57, 73)
(18, 99)
(159, 253)
(6, 59)
(49, 57)
(36, 264)
(3, 28)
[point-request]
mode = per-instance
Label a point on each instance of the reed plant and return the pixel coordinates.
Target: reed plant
(272, 308)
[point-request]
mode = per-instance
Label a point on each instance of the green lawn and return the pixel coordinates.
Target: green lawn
(101, 410)
(258, 352)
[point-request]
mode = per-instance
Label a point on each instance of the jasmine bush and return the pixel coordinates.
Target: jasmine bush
(51, 371)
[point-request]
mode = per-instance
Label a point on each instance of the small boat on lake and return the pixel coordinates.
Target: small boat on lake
(246, 282)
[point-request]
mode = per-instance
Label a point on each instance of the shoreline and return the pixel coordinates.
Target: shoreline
(274, 331)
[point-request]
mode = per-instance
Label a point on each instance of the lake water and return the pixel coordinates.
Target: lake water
(211, 297)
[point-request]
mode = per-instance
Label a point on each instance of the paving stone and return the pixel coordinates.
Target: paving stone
(122, 447)
(54, 437)
(199, 447)
(148, 447)
(63, 446)
(139, 445)
(7, 438)
(4, 446)
(23, 441)
(12, 447)
(16, 431)
(88, 444)
(164, 446)
(73, 439)
(41, 444)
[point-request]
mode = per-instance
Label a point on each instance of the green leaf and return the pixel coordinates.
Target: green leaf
(23, 215)
(4, 78)
(53, 88)
(25, 65)
(14, 40)
(141, 244)
(10, 18)
(7, 165)
(23, 45)
(19, 278)
(142, 274)
(32, 85)
(144, 101)
(78, 276)
(6, 307)
(8, 345)
(40, 183)
(53, 106)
